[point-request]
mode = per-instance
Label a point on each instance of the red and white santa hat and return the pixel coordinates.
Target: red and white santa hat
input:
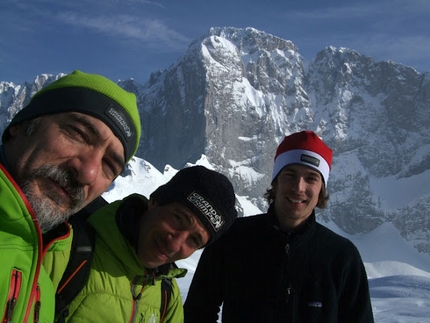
(304, 148)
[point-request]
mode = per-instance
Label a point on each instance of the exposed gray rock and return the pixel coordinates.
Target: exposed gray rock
(234, 95)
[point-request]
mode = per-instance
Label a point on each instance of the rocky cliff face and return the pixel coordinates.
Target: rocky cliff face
(235, 94)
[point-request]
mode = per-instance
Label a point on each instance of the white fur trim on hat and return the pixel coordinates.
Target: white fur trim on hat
(303, 157)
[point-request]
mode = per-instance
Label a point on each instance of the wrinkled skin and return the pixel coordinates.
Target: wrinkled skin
(63, 162)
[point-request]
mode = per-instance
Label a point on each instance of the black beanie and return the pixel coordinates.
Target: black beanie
(207, 193)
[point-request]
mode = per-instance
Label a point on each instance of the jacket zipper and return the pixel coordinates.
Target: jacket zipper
(14, 289)
(35, 289)
(136, 297)
(288, 291)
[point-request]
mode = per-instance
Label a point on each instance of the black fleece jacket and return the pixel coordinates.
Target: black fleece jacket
(262, 274)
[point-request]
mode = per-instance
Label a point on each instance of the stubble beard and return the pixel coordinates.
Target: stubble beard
(49, 208)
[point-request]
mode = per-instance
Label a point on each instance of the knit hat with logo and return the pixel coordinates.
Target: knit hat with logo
(304, 148)
(90, 94)
(207, 193)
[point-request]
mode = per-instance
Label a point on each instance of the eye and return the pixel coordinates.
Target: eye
(75, 133)
(111, 169)
(313, 178)
(288, 175)
(195, 242)
(178, 218)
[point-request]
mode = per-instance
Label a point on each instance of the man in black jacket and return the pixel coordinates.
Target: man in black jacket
(283, 266)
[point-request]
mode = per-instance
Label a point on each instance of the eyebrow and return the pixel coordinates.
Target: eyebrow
(96, 133)
(309, 171)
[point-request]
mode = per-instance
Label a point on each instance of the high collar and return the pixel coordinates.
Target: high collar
(128, 217)
(304, 227)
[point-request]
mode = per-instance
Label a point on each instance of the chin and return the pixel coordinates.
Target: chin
(152, 265)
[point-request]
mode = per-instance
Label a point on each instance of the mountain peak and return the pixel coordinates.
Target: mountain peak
(234, 95)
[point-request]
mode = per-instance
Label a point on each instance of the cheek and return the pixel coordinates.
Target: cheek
(99, 187)
(50, 139)
(280, 189)
(315, 192)
(185, 252)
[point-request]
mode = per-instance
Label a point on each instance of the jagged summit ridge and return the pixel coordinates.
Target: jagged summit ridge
(235, 93)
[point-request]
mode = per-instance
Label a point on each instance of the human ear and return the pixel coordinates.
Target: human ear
(15, 130)
(152, 204)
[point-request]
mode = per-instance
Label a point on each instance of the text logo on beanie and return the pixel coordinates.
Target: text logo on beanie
(304, 148)
(90, 94)
(205, 207)
(207, 193)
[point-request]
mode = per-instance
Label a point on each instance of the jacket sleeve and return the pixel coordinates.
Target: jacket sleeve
(354, 301)
(204, 297)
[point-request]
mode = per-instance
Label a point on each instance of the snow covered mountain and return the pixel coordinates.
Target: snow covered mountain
(234, 95)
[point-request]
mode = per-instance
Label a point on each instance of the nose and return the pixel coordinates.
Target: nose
(87, 167)
(298, 184)
(176, 240)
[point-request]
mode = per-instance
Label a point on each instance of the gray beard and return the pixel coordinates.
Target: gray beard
(47, 213)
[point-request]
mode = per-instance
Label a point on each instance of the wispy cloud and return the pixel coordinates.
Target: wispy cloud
(152, 32)
(153, 3)
(121, 20)
(384, 29)
(381, 9)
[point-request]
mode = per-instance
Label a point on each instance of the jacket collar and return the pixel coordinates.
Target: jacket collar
(301, 230)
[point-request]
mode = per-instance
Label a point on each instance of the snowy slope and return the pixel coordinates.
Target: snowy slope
(399, 276)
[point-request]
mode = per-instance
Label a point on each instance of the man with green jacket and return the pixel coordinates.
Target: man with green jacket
(137, 243)
(59, 153)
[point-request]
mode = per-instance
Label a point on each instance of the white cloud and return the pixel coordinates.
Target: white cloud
(380, 9)
(152, 32)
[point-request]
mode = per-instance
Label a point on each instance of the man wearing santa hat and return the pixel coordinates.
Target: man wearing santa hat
(283, 266)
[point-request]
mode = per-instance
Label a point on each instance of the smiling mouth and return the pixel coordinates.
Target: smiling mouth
(57, 193)
(61, 190)
(160, 251)
(60, 195)
(295, 201)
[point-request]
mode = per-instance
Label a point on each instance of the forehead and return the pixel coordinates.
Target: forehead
(84, 117)
(300, 169)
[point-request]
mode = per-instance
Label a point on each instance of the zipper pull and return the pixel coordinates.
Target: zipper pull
(9, 310)
(37, 311)
(287, 249)
(288, 294)
(37, 305)
(15, 288)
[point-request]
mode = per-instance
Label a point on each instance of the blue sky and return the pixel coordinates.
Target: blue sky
(123, 39)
